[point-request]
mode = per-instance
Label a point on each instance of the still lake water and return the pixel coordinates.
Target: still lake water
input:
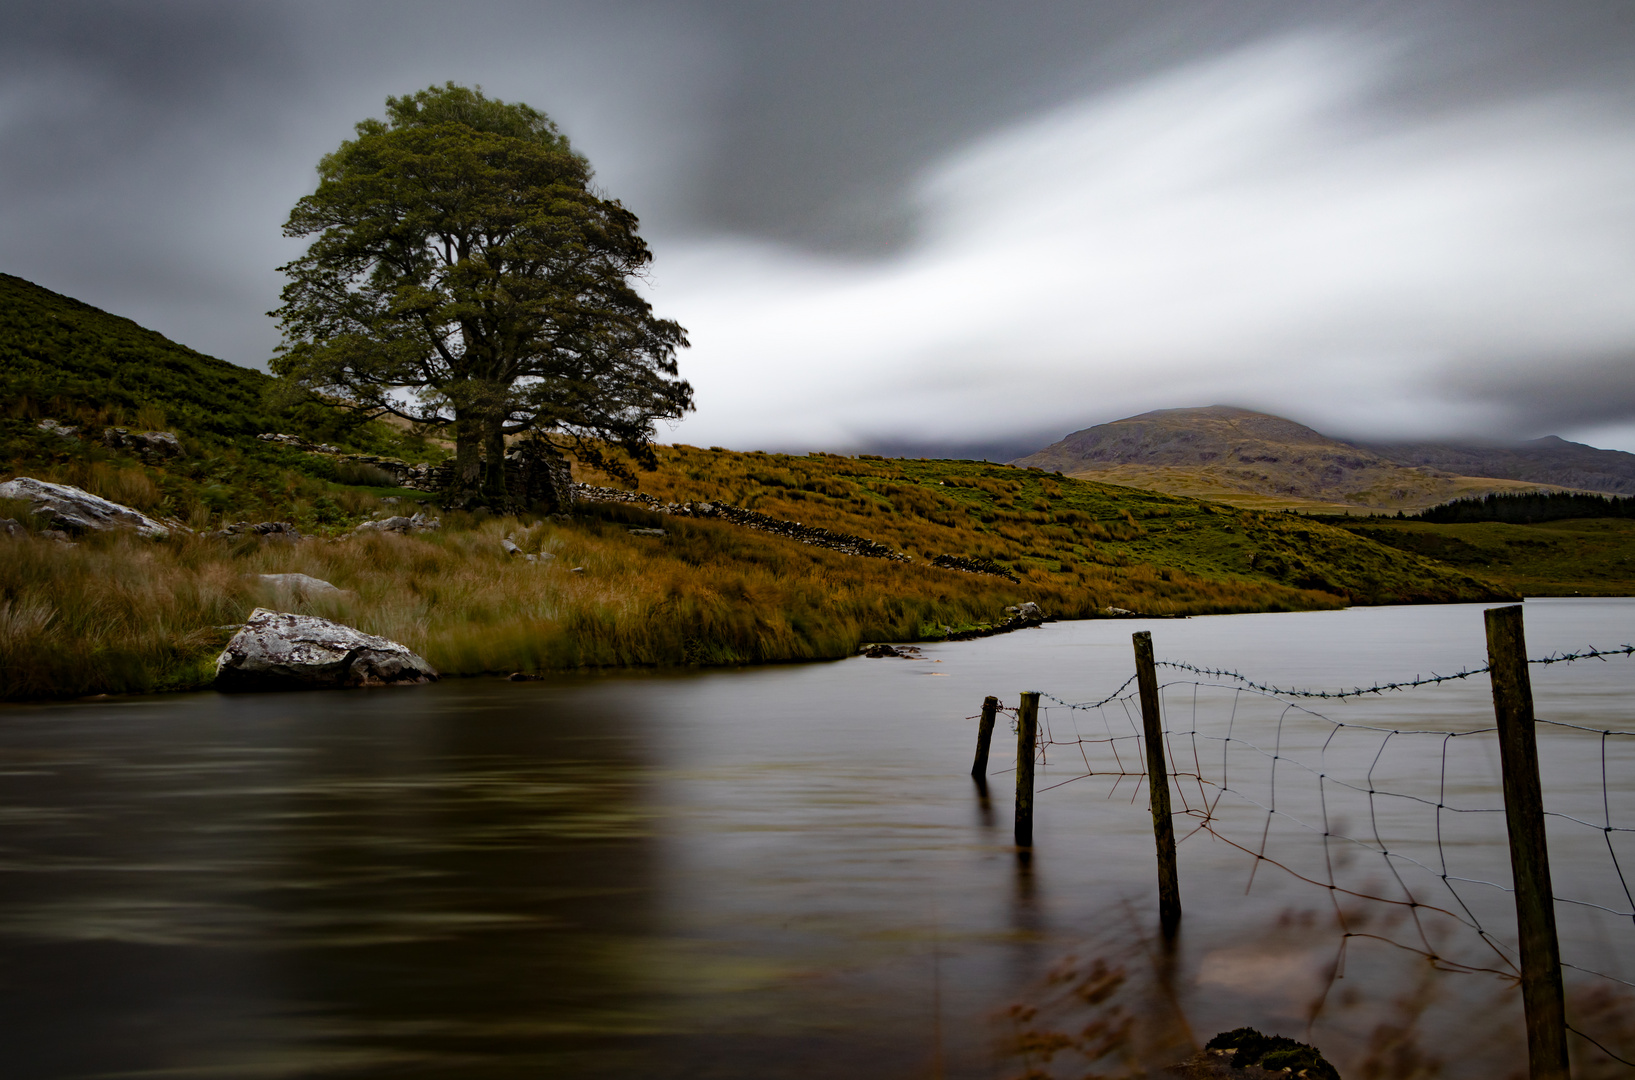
(782, 871)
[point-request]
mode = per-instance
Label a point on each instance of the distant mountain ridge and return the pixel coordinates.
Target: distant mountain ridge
(1257, 459)
(1550, 460)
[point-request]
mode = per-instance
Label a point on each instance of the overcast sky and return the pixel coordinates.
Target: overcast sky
(957, 226)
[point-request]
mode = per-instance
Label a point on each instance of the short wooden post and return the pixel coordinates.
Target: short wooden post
(984, 736)
(1027, 736)
(1541, 992)
(1163, 827)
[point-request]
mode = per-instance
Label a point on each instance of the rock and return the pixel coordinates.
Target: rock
(421, 522)
(1246, 1054)
(301, 586)
(543, 556)
(281, 651)
(1120, 613)
(272, 530)
(74, 510)
(55, 428)
(510, 547)
(1029, 610)
(147, 445)
(646, 532)
(11, 527)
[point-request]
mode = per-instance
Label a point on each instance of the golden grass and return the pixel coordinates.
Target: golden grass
(116, 613)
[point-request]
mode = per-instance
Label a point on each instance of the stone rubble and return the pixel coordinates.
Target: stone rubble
(420, 522)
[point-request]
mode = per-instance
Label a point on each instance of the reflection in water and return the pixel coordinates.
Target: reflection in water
(734, 874)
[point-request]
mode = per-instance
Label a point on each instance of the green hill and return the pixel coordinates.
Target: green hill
(66, 361)
(71, 359)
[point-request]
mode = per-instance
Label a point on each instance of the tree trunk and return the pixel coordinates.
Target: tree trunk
(468, 464)
(494, 493)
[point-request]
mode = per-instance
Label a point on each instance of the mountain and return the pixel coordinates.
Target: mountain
(1550, 460)
(1258, 460)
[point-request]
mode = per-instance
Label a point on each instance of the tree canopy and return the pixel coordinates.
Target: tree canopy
(464, 273)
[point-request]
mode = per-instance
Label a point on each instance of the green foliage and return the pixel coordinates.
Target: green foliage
(1528, 507)
(1576, 557)
(69, 362)
(459, 251)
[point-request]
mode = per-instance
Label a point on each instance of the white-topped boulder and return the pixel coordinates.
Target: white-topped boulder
(73, 509)
(277, 650)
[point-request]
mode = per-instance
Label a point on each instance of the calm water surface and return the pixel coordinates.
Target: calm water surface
(777, 872)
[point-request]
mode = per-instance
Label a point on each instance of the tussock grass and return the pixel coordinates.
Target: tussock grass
(118, 614)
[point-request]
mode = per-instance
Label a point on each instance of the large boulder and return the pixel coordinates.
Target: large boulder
(300, 586)
(279, 651)
(74, 510)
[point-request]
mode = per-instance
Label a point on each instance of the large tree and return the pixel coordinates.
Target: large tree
(464, 273)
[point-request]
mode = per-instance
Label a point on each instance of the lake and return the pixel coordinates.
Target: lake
(787, 871)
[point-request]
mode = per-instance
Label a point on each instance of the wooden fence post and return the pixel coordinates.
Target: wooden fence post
(1027, 736)
(984, 736)
(1542, 998)
(1163, 827)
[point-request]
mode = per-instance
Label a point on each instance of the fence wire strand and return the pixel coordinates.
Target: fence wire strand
(1206, 799)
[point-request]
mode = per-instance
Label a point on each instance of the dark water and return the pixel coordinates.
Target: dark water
(762, 873)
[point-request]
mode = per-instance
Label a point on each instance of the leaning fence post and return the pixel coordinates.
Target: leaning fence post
(1541, 991)
(984, 736)
(1163, 827)
(1027, 735)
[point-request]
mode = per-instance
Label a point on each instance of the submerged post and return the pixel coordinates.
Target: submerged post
(1541, 990)
(1027, 735)
(1163, 827)
(984, 736)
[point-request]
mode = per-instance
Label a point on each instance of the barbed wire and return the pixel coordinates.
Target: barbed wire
(1356, 691)
(1205, 792)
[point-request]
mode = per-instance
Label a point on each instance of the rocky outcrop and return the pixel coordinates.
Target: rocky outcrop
(281, 651)
(74, 510)
(269, 530)
(420, 522)
(150, 446)
(1024, 617)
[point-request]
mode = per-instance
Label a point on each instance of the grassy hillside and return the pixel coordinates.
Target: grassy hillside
(1581, 557)
(69, 362)
(1102, 539)
(1256, 461)
(118, 613)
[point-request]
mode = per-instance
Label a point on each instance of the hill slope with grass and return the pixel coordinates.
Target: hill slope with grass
(1255, 460)
(617, 585)
(65, 361)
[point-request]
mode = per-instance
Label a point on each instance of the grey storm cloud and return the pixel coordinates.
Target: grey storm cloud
(951, 227)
